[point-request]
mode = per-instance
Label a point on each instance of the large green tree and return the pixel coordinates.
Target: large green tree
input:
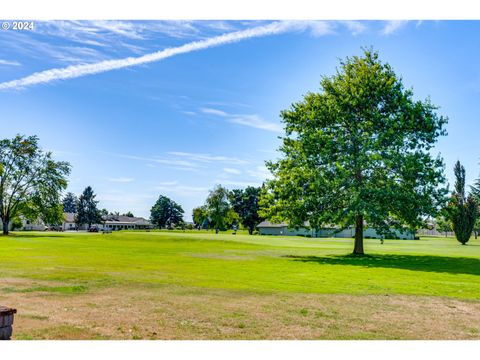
(462, 208)
(358, 152)
(218, 207)
(31, 182)
(246, 204)
(87, 211)
(166, 213)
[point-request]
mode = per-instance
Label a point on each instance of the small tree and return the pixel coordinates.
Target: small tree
(462, 209)
(70, 203)
(246, 205)
(166, 213)
(87, 211)
(31, 182)
(443, 224)
(128, 214)
(218, 206)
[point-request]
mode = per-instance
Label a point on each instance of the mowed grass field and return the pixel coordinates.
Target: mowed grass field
(199, 285)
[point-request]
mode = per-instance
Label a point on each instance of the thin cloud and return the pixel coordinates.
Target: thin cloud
(232, 171)
(75, 71)
(9, 63)
(207, 158)
(393, 26)
(189, 113)
(213, 112)
(182, 190)
(355, 27)
(260, 172)
(251, 120)
(121, 179)
(256, 121)
(238, 183)
(183, 164)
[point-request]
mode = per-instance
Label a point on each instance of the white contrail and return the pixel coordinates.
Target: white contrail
(75, 71)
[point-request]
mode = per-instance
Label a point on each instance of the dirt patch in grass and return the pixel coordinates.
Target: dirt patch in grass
(161, 312)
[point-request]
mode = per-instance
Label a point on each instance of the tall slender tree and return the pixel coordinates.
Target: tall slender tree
(31, 182)
(87, 211)
(462, 208)
(358, 152)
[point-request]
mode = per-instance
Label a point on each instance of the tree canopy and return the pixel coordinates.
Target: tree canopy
(31, 182)
(358, 152)
(166, 213)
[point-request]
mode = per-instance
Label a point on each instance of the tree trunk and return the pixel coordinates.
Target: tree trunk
(250, 230)
(358, 248)
(5, 226)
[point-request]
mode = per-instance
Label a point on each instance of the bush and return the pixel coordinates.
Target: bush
(17, 224)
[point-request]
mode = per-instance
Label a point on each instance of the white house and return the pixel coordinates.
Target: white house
(121, 222)
(112, 222)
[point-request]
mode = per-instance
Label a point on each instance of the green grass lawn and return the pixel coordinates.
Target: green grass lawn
(62, 267)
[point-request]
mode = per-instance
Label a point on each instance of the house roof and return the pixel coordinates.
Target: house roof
(268, 224)
(121, 219)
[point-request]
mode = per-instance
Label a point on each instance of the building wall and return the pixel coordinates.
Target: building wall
(346, 233)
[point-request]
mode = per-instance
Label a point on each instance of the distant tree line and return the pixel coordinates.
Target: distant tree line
(224, 209)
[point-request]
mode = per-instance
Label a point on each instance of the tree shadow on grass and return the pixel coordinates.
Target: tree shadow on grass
(46, 234)
(441, 264)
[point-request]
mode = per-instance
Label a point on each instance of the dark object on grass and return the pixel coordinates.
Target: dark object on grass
(6, 322)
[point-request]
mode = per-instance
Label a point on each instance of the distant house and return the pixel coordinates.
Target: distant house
(112, 222)
(69, 222)
(37, 225)
(121, 222)
(269, 228)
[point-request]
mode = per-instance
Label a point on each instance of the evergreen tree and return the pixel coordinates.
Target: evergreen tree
(462, 209)
(87, 211)
(70, 203)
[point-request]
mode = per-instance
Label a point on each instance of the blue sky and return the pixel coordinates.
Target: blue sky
(176, 124)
